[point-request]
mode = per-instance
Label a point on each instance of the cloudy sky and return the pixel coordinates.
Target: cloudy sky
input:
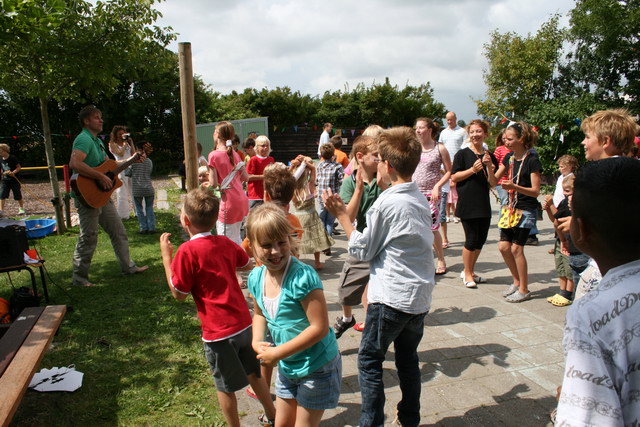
(314, 46)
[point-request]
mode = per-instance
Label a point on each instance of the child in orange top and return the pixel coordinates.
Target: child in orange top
(340, 156)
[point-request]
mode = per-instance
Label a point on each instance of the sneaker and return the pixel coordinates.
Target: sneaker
(21, 211)
(518, 297)
(449, 219)
(532, 241)
(341, 326)
(510, 291)
(456, 219)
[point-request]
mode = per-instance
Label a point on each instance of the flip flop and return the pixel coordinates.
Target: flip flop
(441, 270)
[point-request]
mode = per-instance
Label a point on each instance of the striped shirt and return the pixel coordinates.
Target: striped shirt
(141, 185)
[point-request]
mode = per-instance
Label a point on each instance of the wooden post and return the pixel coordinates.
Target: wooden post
(188, 115)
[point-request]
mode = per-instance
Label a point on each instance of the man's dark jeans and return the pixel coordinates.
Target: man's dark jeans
(385, 325)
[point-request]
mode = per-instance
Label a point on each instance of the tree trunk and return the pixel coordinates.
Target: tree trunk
(51, 164)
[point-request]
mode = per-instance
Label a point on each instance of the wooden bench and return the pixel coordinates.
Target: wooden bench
(21, 350)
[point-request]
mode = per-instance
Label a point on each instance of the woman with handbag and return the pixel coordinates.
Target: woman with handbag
(522, 167)
(474, 174)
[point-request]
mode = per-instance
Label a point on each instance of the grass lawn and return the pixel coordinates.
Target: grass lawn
(139, 349)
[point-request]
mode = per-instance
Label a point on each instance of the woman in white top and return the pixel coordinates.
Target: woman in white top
(121, 146)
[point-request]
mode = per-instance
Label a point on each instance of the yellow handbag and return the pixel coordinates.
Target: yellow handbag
(509, 217)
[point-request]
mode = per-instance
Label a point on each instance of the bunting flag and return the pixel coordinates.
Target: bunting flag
(578, 122)
(275, 128)
(535, 128)
(552, 130)
(562, 137)
(295, 128)
(353, 132)
(503, 120)
(315, 127)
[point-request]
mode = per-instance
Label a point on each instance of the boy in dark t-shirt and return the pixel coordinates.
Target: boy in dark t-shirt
(10, 183)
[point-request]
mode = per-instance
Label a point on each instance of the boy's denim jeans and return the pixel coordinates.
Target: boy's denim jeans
(385, 325)
(144, 211)
(327, 219)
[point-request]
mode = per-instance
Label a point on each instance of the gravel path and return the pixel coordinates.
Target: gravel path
(37, 197)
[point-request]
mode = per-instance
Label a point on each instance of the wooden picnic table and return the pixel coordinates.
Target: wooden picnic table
(21, 350)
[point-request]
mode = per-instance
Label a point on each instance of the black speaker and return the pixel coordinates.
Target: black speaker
(13, 243)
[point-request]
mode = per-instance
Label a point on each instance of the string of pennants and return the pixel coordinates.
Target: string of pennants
(504, 118)
(104, 137)
(336, 131)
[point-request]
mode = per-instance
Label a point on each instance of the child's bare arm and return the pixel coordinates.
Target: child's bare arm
(259, 327)
(315, 308)
(166, 249)
(334, 204)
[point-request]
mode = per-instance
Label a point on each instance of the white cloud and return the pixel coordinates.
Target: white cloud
(315, 46)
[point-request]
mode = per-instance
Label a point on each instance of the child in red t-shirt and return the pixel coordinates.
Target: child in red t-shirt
(255, 169)
(222, 309)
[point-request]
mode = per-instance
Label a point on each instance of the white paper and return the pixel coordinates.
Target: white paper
(57, 379)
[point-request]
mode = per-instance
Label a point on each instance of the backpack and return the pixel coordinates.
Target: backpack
(22, 298)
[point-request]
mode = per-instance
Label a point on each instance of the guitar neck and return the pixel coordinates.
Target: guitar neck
(126, 164)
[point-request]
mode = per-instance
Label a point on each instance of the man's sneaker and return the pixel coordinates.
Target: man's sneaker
(21, 211)
(532, 241)
(341, 326)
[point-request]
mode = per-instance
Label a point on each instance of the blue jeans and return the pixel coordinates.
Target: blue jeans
(146, 217)
(327, 219)
(383, 326)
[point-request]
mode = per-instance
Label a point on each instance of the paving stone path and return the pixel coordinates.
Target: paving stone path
(483, 361)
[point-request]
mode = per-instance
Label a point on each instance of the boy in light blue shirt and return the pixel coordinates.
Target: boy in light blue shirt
(398, 244)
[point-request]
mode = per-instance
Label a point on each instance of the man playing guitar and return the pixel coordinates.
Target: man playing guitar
(88, 152)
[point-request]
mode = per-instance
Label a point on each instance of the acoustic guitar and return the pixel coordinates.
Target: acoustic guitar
(90, 192)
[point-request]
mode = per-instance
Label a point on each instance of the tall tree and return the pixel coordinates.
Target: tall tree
(605, 55)
(71, 49)
(520, 69)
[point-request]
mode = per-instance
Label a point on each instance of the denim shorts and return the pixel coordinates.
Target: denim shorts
(443, 206)
(528, 219)
(319, 390)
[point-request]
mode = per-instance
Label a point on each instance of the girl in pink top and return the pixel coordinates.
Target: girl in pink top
(234, 205)
(500, 152)
(430, 180)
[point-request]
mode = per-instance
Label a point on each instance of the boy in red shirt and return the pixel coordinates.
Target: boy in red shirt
(222, 309)
(255, 169)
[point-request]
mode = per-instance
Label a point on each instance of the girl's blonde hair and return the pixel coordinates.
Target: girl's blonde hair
(302, 192)
(226, 132)
(267, 223)
(261, 140)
